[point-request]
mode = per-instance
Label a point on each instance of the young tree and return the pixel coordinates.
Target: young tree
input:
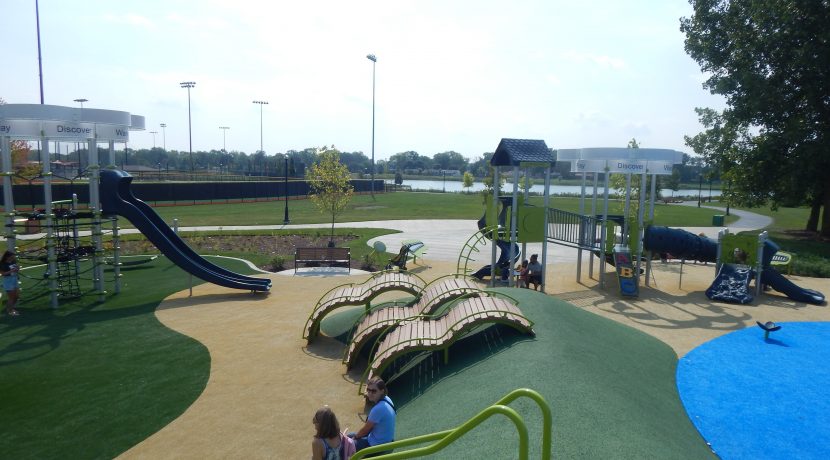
(617, 182)
(768, 58)
(330, 186)
(20, 151)
(467, 181)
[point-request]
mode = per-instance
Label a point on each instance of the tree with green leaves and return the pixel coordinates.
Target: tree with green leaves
(467, 180)
(769, 59)
(331, 189)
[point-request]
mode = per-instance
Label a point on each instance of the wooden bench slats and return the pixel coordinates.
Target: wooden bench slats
(433, 333)
(328, 256)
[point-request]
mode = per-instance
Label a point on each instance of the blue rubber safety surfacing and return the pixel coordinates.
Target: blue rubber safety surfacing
(754, 399)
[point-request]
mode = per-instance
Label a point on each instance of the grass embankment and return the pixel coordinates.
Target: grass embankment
(811, 254)
(91, 379)
(262, 256)
(612, 396)
(397, 206)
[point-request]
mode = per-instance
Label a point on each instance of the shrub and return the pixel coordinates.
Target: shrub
(278, 263)
(811, 265)
(367, 262)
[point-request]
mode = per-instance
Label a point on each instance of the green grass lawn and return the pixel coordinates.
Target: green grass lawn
(812, 256)
(394, 206)
(91, 379)
(611, 388)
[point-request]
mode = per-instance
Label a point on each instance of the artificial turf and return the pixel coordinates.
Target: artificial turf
(611, 388)
(72, 378)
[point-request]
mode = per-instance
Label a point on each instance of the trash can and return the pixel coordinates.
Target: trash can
(717, 220)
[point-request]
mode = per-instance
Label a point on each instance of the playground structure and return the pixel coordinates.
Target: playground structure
(45, 123)
(51, 123)
(118, 200)
(516, 222)
(409, 249)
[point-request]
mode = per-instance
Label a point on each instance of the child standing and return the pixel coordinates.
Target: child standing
(9, 270)
(523, 273)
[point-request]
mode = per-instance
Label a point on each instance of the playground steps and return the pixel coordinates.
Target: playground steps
(359, 294)
(436, 294)
(435, 334)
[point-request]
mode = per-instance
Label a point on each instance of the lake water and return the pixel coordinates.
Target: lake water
(456, 186)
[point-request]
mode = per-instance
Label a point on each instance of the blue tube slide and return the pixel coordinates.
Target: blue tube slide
(117, 198)
(680, 243)
(502, 262)
(775, 280)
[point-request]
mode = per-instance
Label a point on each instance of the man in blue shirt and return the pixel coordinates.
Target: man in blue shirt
(380, 425)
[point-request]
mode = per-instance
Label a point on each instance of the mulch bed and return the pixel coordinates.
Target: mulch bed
(272, 245)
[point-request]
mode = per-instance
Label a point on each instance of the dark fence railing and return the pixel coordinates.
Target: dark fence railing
(31, 194)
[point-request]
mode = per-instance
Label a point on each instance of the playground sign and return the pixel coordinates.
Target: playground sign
(660, 168)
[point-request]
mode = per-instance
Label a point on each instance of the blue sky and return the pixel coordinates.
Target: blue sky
(451, 75)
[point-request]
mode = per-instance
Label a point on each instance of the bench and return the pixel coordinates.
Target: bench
(324, 256)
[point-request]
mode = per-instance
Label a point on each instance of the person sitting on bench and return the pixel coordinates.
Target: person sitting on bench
(534, 276)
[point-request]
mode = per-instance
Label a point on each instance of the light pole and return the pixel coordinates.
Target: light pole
(710, 189)
(285, 221)
(164, 136)
(261, 103)
(39, 59)
(374, 60)
(154, 138)
(78, 145)
(188, 85)
(224, 132)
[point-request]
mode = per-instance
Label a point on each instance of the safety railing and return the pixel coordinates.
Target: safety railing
(572, 229)
(442, 439)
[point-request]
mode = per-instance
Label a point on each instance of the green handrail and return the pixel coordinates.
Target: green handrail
(451, 436)
(472, 247)
(446, 437)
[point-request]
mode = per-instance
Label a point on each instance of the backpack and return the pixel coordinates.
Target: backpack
(347, 447)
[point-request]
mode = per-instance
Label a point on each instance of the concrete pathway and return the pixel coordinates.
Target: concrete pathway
(444, 238)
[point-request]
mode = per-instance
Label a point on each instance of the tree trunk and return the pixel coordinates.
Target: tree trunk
(815, 212)
(331, 238)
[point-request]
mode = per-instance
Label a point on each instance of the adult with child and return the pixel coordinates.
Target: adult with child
(534, 276)
(329, 443)
(9, 270)
(380, 424)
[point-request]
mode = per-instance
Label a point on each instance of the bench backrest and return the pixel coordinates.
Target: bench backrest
(322, 254)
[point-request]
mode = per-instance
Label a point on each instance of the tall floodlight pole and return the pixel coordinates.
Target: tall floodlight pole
(39, 59)
(154, 137)
(224, 132)
(374, 60)
(261, 103)
(188, 85)
(164, 136)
